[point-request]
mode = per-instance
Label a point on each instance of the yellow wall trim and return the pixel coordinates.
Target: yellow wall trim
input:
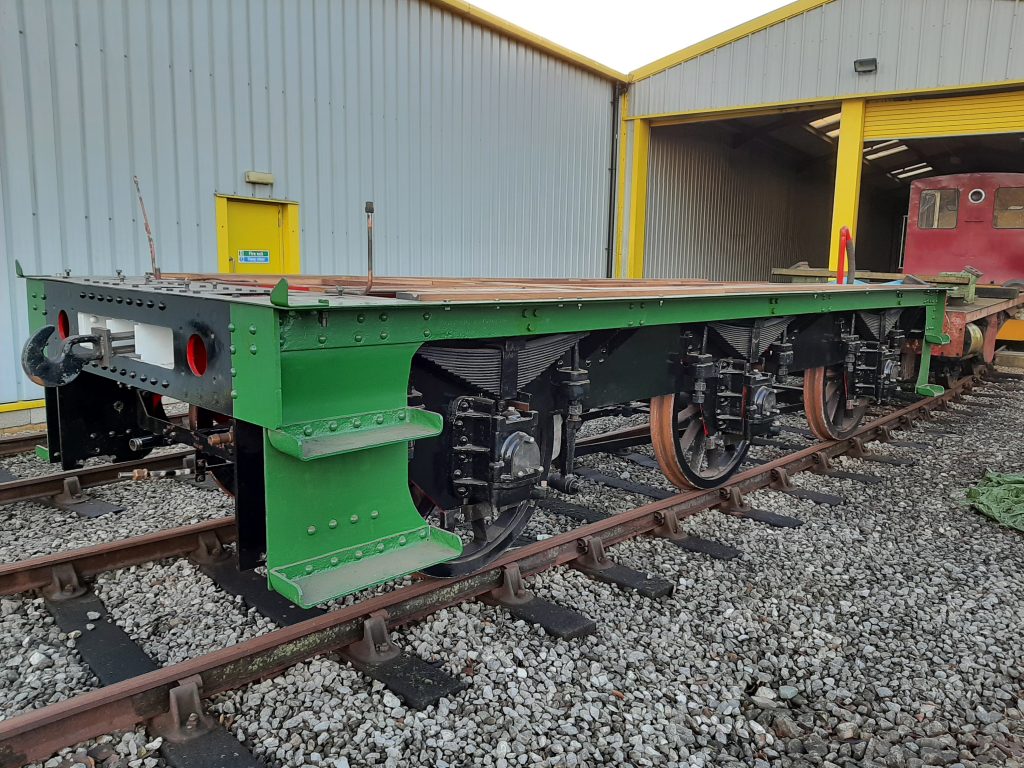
(508, 29)
(638, 198)
(849, 162)
(954, 116)
(21, 405)
(724, 38)
(744, 110)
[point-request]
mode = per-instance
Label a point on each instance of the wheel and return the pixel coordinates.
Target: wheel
(487, 540)
(823, 404)
(679, 436)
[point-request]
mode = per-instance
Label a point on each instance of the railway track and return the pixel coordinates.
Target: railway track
(20, 443)
(71, 483)
(37, 734)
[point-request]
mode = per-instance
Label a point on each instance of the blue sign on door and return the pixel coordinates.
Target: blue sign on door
(254, 257)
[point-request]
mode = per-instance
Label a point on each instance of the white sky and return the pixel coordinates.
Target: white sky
(627, 35)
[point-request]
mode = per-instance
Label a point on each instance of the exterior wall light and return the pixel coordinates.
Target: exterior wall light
(865, 66)
(259, 177)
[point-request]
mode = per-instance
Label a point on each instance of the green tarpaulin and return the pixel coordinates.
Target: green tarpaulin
(1001, 497)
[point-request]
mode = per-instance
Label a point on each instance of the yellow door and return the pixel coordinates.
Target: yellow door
(257, 236)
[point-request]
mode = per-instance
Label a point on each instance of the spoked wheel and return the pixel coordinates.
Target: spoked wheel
(486, 542)
(684, 451)
(824, 404)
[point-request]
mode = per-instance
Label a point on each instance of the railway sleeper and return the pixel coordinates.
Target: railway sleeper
(192, 739)
(73, 499)
(414, 680)
(734, 504)
(555, 619)
(670, 529)
(595, 563)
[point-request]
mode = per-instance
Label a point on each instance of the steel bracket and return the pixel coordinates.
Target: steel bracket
(511, 591)
(592, 555)
(733, 502)
(780, 480)
(72, 493)
(64, 584)
(821, 462)
(857, 449)
(184, 719)
(376, 646)
(668, 526)
(209, 549)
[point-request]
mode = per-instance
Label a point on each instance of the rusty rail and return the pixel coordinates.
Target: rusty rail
(37, 734)
(53, 484)
(15, 444)
(87, 562)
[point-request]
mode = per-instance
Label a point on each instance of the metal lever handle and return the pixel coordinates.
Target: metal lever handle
(73, 357)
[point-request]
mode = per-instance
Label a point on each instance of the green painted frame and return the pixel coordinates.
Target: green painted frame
(328, 379)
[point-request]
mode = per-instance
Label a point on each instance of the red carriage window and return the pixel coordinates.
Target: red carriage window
(938, 209)
(1009, 208)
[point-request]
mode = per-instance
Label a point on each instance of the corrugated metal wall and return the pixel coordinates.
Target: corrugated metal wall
(918, 43)
(484, 156)
(729, 214)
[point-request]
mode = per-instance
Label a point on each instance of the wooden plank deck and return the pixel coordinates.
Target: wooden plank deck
(436, 289)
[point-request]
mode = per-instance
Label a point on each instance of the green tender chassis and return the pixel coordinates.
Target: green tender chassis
(326, 378)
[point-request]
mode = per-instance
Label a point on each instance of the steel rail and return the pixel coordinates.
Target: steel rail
(87, 562)
(618, 439)
(19, 443)
(38, 734)
(50, 485)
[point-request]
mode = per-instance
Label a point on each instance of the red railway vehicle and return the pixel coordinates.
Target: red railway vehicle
(971, 220)
(968, 219)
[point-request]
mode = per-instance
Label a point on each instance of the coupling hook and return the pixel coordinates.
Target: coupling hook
(73, 357)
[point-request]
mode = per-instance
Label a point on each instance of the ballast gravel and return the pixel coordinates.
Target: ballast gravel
(31, 529)
(38, 662)
(176, 612)
(886, 631)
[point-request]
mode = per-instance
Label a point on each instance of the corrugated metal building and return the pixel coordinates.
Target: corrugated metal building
(793, 119)
(486, 149)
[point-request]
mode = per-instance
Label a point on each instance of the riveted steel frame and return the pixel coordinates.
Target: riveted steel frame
(327, 381)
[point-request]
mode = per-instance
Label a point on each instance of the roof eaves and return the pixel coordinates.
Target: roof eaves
(515, 32)
(728, 36)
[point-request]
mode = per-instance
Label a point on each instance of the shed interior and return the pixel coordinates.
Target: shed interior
(730, 199)
(885, 196)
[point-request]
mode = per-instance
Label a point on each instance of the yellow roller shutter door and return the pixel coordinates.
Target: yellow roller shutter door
(952, 116)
